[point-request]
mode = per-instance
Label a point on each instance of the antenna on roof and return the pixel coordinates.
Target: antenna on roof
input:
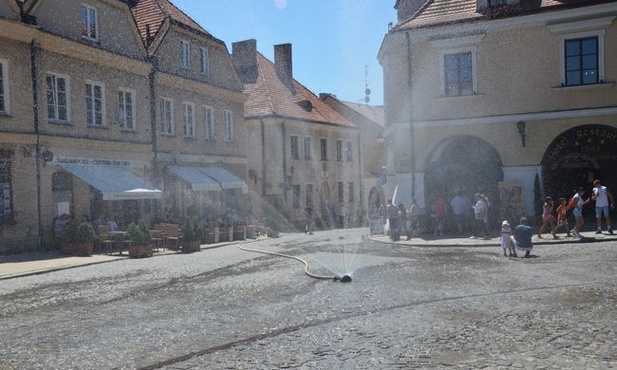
(367, 91)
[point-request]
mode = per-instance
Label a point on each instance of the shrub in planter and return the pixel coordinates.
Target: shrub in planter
(78, 240)
(191, 235)
(140, 240)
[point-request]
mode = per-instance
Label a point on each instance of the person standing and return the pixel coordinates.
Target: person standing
(440, 210)
(547, 217)
(308, 220)
(577, 211)
(481, 215)
(562, 217)
(604, 200)
(459, 206)
(402, 219)
(521, 237)
(393, 218)
(506, 240)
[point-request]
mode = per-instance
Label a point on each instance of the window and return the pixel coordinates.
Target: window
(4, 87)
(89, 24)
(189, 119)
(458, 74)
(185, 54)
(6, 198)
(323, 147)
(295, 192)
(295, 150)
(349, 151)
(341, 191)
(339, 150)
(229, 126)
(310, 196)
(167, 116)
(57, 93)
(94, 104)
(209, 123)
(352, 197)
(205, 62)
(308, 149)
(126, 109)
(581, 57)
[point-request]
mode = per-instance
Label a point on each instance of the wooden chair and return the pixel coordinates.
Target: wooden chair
(105, 242)
(158, 238)
(172, 236)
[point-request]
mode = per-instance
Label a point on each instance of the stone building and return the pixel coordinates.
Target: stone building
(105, 105)
(300, 152)
(489, 95)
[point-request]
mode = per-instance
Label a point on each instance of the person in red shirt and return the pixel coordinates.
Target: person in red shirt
(440, 208)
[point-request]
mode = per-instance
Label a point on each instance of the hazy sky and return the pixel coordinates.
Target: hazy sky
(332, 40)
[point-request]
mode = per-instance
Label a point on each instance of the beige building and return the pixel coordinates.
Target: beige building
(301, 153)
(488, 95)
(373, 151)
(112, 109)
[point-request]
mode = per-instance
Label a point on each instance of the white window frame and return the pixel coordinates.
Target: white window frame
(308, 148)
(205, 61)
(229, 125)
(92, 114)
(189, 119)
(5, 107)
(126, 118)
(562, 54)
(339, 150)
(442, 68)
(294, 141)
(86, 31)
(349, 151)
(209, 123)
(57, 104)
(167, 116)
(185, 54)
(351, 192)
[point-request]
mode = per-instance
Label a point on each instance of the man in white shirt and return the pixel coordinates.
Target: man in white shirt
(604, 200)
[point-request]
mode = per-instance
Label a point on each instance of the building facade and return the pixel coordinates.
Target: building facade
(515, 99)
(300, 152)
(103, 105)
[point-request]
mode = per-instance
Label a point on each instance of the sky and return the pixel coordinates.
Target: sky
(334, 42)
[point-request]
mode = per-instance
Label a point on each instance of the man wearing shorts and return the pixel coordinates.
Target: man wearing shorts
(604, 200)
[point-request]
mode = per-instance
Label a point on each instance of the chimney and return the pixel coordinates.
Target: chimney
(244, 55)
(405, 9)
(282, 64)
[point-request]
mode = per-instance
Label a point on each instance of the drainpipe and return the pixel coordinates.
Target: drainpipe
(37, 155)
(284, 135)
(264, 164)
(411, 131)
(155, 165)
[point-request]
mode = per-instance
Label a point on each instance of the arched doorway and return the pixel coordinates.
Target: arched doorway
(577, 157)
(463, 163)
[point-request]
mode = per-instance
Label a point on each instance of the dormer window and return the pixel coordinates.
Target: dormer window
(89, 23)
(306, 105)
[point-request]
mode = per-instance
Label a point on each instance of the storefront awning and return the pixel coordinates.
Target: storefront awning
(198, 180)
(227, 179)
(114, 182)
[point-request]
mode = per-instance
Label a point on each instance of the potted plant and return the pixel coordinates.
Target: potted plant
(78, 240)
(191, 235)
(210, 231)
(140, 240)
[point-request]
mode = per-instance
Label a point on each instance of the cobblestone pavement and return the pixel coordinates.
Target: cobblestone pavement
(407, 307)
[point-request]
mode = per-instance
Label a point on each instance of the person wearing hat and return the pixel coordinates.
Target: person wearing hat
(506, 240)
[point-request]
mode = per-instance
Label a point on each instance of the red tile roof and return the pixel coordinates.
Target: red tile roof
(152, 13)
(269, 96)
(438, 12)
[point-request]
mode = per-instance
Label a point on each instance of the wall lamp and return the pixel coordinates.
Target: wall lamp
(520, 126)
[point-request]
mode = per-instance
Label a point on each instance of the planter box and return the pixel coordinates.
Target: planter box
(239, 233)
(191, 246)
(211, 235)
(140, 251)
(73, 249)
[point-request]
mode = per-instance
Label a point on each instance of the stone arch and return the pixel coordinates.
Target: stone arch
(463, 163)
(578, 156)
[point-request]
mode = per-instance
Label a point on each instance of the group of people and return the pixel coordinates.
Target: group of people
(520, 237)
(400, 220)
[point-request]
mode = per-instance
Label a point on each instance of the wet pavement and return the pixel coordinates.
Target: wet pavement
(410, 305)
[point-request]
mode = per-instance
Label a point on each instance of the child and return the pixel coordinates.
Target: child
(506, 242)
(562, 217)
(547, 217)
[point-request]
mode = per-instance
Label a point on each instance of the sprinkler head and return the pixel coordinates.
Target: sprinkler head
(344, 279)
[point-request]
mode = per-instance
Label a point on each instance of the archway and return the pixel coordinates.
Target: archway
(463, 163)
(577, 157)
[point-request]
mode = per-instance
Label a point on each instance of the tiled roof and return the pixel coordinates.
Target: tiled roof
(438, 12)
(375, 113)
(152, 13)
(269, 96)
